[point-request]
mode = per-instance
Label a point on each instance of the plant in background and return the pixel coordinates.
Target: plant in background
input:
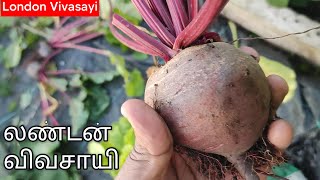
(121, 137)
(68, 33)
(88, 99)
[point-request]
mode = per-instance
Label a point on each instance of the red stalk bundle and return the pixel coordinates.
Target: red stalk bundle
(177, 23)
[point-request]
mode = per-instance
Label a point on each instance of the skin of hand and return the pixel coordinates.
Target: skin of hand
(153, 157)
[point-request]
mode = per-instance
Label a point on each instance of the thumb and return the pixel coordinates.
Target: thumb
(153, 149)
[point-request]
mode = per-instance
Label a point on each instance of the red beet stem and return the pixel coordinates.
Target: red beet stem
(65, 30)
(132, 44)
(154, 23)
(193, 8)
(178, 15)
(142, 38)
(162, 12)
(209, 11)
(176, 24)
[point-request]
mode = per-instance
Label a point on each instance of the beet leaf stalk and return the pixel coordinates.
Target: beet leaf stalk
(177, 24)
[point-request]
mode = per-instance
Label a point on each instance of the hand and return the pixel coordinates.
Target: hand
(153, 157)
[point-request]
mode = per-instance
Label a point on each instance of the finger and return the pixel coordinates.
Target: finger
(280, 134)
(279, 89)
(252, 52)
(153, 149)
(150, 130)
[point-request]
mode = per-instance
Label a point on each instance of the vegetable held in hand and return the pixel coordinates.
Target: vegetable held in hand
(214, 98)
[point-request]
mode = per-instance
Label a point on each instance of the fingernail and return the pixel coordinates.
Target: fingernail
(252, 52)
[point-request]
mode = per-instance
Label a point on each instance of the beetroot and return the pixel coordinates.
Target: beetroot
(214, 91)
(214, 98)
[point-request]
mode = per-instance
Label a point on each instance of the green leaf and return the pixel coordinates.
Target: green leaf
(129, 136)
(12, 106)
(122, 138)
(52, 175)
(283, 170)
(125, 9)
(25, 100)
(122, 7)
(29, 39)
(95, 148)
(128, 11)
(97, 102)
(273, 67)
(82, 94)
(101, 77)
(134, 82)
(139, 56)
(114, 41)
(125, 151)
(120, 64)
(59, 83)
(9, 178)
(75, 176)
(104, 9)
(134, 85)
(12, 54)
(79, 115)
(38, 147)
(123, 124)
(42, 22)
(115, 137)
(278, 3)
(7, 21)
(5, 88)
(75, 81)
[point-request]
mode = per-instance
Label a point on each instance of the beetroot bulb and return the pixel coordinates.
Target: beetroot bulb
(214, 98)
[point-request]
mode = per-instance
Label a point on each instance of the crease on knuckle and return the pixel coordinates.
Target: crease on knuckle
(138, 156)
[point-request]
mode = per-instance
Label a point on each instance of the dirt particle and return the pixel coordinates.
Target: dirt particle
(211, 45)
(231, 128)
(231, 85)
(190, 60)
(167, 71)
(156, 85)
(179, 90)
(237, 121)
(229, 101)
(247, 72)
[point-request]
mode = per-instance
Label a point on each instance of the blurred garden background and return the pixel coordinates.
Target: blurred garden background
(72, 71)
